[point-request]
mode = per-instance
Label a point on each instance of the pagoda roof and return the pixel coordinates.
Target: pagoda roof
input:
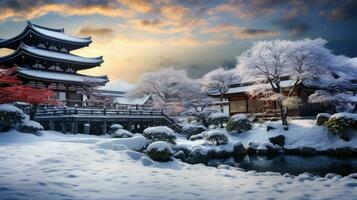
(49, 55)
(53, 76)
(51, 34)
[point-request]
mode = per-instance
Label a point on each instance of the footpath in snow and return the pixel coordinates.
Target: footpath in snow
(56, 166)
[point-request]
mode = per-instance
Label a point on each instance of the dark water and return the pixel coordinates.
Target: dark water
(318, 165)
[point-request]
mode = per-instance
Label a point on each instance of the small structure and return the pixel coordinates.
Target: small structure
(240, 100)
(144, 103)
(43, 60)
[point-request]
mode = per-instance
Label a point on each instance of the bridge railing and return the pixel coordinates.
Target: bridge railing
(89, 112)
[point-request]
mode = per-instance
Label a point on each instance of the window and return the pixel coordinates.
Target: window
(254, 105)
(238, 106)
(62, 95)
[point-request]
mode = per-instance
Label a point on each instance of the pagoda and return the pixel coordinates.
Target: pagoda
(43, 60)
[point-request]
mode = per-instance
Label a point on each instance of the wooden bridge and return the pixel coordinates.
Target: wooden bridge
(98, 121)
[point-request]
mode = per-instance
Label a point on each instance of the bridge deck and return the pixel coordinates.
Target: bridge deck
(73, 119)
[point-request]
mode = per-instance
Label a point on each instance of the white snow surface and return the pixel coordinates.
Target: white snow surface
(122, 133)
(159, 146)
(60, 35)
(10, 108)
(61, 76)
(159, 129)
(343, 115)
(32, 124)
(239, 117)
(56, 166)
(60, 55)
(218, 115)
(116, 126)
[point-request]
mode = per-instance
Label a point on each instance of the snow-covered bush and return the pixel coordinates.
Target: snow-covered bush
(216, 137)
(202, 116)
(159, 151)
(193, 129)
(114, 128)
(218, 118)
(321, 118)
(239, 123)
(160, 133)
(29, 126)
(122, 133)
(10, 116)
(341, 124)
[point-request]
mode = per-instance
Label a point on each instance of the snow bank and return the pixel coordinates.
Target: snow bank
(70, 170)
(342, 115)
(10, 108)
(301, 133)
(160, 129)
(159, 146)
(135, 143)
(239, 117)
(122, 133)
(116, 126)
(32, 124)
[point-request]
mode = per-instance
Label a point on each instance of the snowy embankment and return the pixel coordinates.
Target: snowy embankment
(56, 166)
(301, 134)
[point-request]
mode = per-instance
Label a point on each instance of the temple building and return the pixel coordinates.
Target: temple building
(43, 60)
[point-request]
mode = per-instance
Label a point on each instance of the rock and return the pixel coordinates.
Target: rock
(345, 151)
(198, 155)
(196, 137)
(270, 128)
(321, 118)
(238, 150)
(278, 140)
(267, 149)
(221, 154)
(252, 148)
(184, 148)
(180, 155)
(307, 151)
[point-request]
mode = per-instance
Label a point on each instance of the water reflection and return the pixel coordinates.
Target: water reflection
(319, 165)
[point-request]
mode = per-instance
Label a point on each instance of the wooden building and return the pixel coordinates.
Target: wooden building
(240, 100)
(43, 60)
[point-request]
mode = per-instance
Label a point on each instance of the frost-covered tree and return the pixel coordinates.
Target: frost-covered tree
(167, 86)
(270, 61)
(218, 82)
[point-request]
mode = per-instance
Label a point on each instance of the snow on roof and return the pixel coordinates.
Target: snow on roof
(58, 34)
(132, 101)
(59, 76)
(247, 88)
(60, 56)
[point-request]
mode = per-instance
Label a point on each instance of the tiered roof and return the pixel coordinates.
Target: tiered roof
(49, 47)
(59, 77)
(44, 55)
(33, 32)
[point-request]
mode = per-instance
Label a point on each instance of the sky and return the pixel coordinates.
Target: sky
(138, 36)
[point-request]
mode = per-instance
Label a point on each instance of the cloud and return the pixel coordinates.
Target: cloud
(296, 26)
(23, 9)
(96, 31)
(239, 32)
(251, 33)
(167, 61)
(346, 10)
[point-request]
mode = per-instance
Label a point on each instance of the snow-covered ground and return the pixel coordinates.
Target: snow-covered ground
(56, 166)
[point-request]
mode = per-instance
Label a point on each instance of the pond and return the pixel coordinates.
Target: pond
(295, 165)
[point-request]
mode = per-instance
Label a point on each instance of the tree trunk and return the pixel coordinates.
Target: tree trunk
(283, 115)
(221, 103)
(33, 111)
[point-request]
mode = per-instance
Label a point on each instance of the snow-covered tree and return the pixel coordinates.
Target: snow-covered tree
(270, 61)
(218, 82)
(167, 86)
